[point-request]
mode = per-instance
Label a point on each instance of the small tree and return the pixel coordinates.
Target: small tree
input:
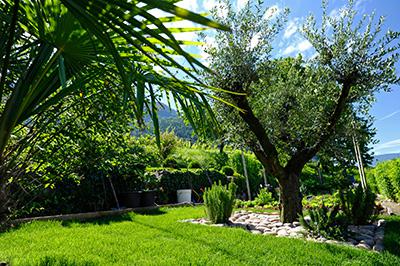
(290, 109)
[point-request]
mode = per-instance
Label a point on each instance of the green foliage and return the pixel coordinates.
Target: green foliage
(326, 222)
(327, 200)
(219, 201)
(358, 205)
(385, 179)
(196, 179)
(194, 165)
(169, 142)
(264, 197)
(253, 165)
(227, 170)
(171, 163)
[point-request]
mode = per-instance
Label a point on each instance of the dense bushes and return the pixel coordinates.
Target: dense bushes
(264, 199)
(358, 205)
(197, 180)
(385, 179)
(227, 170)
(326, 222)
(219, 201)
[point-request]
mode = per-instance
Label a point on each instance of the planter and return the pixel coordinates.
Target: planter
(148, 198)
(184, 195)
(130, 199)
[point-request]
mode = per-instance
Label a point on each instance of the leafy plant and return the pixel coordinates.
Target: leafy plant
(358, 205)
(219, 201)
(227, 170)
(194, 165)
(325, 222)
(264, 197)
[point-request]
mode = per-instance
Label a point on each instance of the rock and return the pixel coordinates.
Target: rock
(278, 224)
(321, 239)
(256, 232)
(378, 247)
(352, 241)
(369, 242)
(330, 241)
(363, 237)
(381, 223)
(389, 211)
(218, 225)
(296, 224)
(282, 232)
(287, 224)
(363, 245)
(271, 233)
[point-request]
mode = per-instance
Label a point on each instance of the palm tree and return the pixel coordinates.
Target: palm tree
(51, 48)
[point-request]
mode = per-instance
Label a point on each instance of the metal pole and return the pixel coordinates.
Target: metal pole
(246, 175)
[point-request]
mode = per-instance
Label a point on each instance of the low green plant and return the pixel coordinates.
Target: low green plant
(326, 222)
(219, 201)
(358, 205)
(264, 197)
(171, 163)
(328, 200)
(227, 170)
(194, 165)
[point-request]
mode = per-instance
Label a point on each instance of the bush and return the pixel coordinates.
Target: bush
(385, 179)
(170, 163)
(327, 200)
(197, 180)
(264, 198)
(358, 205)
(325, 222)
(219, 201)
(227, 170)
(194, 165)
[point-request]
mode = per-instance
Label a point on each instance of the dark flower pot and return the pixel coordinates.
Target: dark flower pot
(130, 199)
(148, 198)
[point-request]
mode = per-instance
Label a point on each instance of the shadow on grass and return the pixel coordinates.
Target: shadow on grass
(61, 261)
(100, 221)
(392, 235)
(150, 212)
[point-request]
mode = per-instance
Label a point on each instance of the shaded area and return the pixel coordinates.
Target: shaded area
(150, 212)
(392, 235)
(100, 221)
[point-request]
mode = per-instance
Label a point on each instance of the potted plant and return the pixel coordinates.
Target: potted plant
(129, 183)
(150, 190)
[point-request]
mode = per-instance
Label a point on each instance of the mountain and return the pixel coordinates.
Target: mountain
(385, 157)
(169, 119)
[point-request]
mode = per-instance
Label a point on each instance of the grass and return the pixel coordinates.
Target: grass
(158, 239)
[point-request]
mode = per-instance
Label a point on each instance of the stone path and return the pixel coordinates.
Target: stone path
(364, 236)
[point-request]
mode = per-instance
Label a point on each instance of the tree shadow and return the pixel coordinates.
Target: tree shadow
(156, 211)
(392, 235)
(99, 221)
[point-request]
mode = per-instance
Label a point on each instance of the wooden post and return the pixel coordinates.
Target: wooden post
(359, 163)
(246, 175)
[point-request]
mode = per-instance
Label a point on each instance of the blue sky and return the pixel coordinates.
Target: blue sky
(386, 109)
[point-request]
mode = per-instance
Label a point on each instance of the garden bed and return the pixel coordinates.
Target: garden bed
(363, 236)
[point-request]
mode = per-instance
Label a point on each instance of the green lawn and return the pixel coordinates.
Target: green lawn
(158, 239)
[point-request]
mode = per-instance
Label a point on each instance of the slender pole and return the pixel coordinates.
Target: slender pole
(246, 175)
(359, 163)
(265, 177)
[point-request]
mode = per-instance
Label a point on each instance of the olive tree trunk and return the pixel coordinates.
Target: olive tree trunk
(290, 198)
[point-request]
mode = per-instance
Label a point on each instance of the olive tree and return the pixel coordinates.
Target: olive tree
(292, 108)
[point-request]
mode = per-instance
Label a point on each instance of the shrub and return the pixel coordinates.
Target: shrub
(197, 180)
(227, 170)
(325, 222)
(219, 201)
(171, 163)
(358, 205)
(327, 200)
(264, 198)
(194, 165)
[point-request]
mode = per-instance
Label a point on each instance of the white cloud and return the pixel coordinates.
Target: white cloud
(290, 29)
(389, 115)
(241, 4)
(209, 4)
(299, 47)
(272, 12)
(387, 147)
(290, 49)
(188, 4)
(304, 46)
